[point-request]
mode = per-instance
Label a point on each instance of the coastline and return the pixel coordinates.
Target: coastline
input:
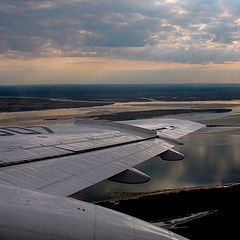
(111, 111)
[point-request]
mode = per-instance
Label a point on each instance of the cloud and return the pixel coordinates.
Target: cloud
(170, 31)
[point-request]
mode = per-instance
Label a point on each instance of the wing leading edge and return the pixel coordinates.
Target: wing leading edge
(64, 159)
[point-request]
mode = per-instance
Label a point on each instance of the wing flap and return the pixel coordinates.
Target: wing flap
(66, 175)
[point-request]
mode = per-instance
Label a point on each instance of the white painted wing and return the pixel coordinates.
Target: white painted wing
(64, 159)
(171, 128)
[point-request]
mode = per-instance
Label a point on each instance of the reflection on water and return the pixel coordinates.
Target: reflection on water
(209, 159)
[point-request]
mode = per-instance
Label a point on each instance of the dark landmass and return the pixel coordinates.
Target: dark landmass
(127, 92)
(15, 104)
(220, 202)
(121, 116)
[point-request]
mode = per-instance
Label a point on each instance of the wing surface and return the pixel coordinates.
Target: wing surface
(170, 128)
(64, 159)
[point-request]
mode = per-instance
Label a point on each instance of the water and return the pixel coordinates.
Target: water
(209, 159)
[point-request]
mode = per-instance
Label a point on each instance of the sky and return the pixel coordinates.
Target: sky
(119, 41)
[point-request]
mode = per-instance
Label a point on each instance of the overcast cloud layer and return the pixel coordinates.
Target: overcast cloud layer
(185, 31)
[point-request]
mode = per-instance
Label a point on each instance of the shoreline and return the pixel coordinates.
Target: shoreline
(112, 111)
(25, 104)
(118, 197)
(52, 117)
(124, 116)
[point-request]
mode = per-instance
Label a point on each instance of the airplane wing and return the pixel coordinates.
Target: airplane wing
(63, 159)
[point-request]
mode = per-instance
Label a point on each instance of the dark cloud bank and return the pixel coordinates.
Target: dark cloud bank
(172, 31)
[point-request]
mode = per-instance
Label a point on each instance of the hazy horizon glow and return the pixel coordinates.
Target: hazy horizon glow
(113, 41)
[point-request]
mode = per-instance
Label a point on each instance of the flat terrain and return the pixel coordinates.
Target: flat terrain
(18, 104)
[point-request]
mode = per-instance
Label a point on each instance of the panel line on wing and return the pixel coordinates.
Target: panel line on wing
(7, 164)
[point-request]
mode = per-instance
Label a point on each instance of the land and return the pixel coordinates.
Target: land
(124, 116)
(17, 104)
(32, 111)
(195, 212)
